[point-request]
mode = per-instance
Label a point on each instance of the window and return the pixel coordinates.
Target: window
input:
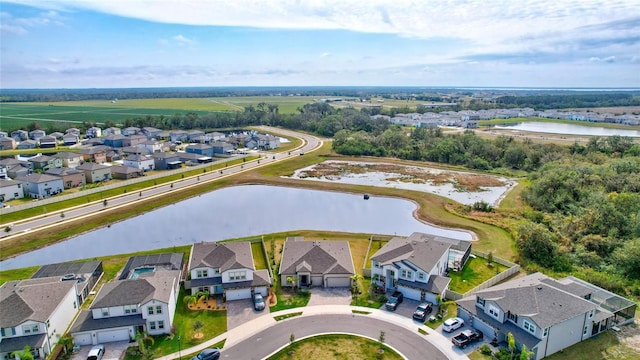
(546, 332)
(586, 330)
(150, 310)
(202, 273)
(159, 309)
(160, 324)
(406, 274)
(591, 314)
(480, 300)
(422, 276)
(152, 325)
(30, 329)
(513, 317)
(237, 275)
(376, 264)
(216, 271)
(494, 311)
(11, 331)
(529, 327)
(130, 309)
(74, 304)
(105, 311)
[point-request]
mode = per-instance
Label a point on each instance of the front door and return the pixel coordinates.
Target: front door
(304, 280)
(390, 276)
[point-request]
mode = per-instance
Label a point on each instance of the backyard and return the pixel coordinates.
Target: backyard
(476, 271)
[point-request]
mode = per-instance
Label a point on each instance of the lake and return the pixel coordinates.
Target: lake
(569, 129)
(239, 211)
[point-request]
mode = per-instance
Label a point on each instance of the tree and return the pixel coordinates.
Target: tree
(25, 354)
(292, 280)
(525, 354)
(511, 341)
(141, 339)
(194, 298)
(197, 325)
(66, 342)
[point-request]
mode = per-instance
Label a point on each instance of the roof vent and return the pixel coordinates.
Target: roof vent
(539, 287)
(68, 277)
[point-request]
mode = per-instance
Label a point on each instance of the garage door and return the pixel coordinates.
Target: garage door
(238, 294)
(261, 290)
(82, 339)
(487, 330)
(409, 293)
(113, 335)
(338, 282)
(430, 297)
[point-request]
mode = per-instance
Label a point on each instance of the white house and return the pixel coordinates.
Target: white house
(93, 132)
(416, 265)
(227, 269)
(10, 190)
(35, 313)
(142, 162)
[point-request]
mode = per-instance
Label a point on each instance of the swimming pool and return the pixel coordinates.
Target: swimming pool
(141, 270)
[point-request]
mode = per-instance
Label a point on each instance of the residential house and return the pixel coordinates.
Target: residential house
(20, 135)
(94, 173)
(125, 172)
(114, 141)
(144, 302)
(200, 149)
(194, 159)
(316, 263)
(134, 140)
(36, 134)
(151, 132)
(111, 131)
(113, 155)
(47, 142)
(69, 159)
(92, 142)
(41, 185)
(142, 162)
(44, 162)
(134, 150)
(131, 130)
(27, 144)
(73, 131)
(10, 190)
(96, 154)
(221, 148)
(85, 274)
(56, 134)
(194, 135)
(3, 134)
(417, 265)
(151, 146)
(70, 139)
(166, 161)
(34, 313)
(93, 132)
(267, 142)
(70, 177)
(178, 136)
(7, 143)
(225, 269)
(11, 167)
(545, 314)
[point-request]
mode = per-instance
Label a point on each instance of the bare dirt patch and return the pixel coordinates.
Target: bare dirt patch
(206, 304)
(629, 335)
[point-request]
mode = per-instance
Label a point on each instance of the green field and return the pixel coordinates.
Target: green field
(16, 115)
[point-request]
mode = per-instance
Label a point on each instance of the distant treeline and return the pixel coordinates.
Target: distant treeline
(544, 102)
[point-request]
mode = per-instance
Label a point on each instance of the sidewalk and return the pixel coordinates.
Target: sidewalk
(251, 328)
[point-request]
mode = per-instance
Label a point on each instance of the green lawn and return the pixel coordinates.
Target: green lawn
(259, 257)
(330, 347)
(605, 346)
(448, 309)
(375, 246)
(475, 272)
(288, 299)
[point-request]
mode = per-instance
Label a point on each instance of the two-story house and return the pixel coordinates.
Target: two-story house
(36, 134)
(20, 135)
(70, 177)
(85, 275)
(95, 154)
(316, 263)
(417, 265)
(7, 143)
(131, 130)
(44, 162)
(10, 190)
(267, 142)
(200, 149)
(69, 159)
(141, 162)
(123, 308)
(70, 139)
(94, 173)
(166, 160)
(545, 314)
(111, 131)
(48, 142)
(225, 269)
(41, 185)
(35, 313)
(93, 132)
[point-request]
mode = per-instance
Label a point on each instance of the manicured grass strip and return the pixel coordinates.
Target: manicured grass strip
(287, 316)
(423, 331)
(361, 312)
(475, 272)
(17, 274)
(336, 346)
(259, 257)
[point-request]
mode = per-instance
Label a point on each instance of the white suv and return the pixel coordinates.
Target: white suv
(96, 352)
(452, 324)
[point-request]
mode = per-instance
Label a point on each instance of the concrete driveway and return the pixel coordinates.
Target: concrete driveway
(241, 311)
(330, 296)
(112, 351)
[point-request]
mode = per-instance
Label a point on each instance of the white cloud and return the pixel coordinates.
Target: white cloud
(20, 25)
(325, 54)
(608, 59)
(181, 40)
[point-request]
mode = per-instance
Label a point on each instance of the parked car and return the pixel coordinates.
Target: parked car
(258, 302)
(422, 311)
(394, 300)
(452, 324)
(96, 352)
(467, 337)
(208, 354)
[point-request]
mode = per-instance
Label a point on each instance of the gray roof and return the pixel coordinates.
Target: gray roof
(167, 261)
(223, 256)
(67, 155)
(86, 322)
(121, 169)
(164, 155)
(62, 171)
(37, 178)
(40, 158)
(6, 183)
(10, 344)
(318, 257)
(60, 269)
(436, 284)
(92, 166)
(456, 244)
(31, 299)
(529, 296)
(199, 146)
(156, 285)
(421, 250)
(260, 278)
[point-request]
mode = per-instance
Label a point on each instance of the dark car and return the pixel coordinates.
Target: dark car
(422, 311)
(394, 300)
(208, 354)
(258, 302)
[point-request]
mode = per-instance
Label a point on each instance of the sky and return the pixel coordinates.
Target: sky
(456, 43)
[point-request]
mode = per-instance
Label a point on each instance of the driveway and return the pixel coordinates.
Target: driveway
(330, 296)
(241, 311)
(112, 351)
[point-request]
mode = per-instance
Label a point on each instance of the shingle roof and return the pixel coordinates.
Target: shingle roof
(11, 344)
(421, 250)
(318, 257)
(155, 285)
(67, 155)
(92, 166)
(62, 171)
(225, 256)
(31, 299)
(37, 178)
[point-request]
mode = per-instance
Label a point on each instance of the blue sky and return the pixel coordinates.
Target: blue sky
(157, 43)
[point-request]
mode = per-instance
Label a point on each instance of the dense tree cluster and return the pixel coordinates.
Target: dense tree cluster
(546, 101)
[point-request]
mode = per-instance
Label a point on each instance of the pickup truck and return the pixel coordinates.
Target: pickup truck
(394, 300)
(466, 337)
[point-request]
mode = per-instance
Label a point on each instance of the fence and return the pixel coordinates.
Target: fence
(366, 271)
(512, 270)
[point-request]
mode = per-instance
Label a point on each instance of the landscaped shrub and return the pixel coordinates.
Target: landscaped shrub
(304, 293)
(485, 349)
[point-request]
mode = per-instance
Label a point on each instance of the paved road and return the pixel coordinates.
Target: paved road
(408, 342)
(52, 219)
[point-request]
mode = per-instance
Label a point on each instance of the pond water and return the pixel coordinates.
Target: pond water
(240, 211)
(569, 129)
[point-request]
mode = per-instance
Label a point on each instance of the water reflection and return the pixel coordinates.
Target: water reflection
(569, 129)
(239, 211)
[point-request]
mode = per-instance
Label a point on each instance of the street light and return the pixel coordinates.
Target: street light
(179, 354)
